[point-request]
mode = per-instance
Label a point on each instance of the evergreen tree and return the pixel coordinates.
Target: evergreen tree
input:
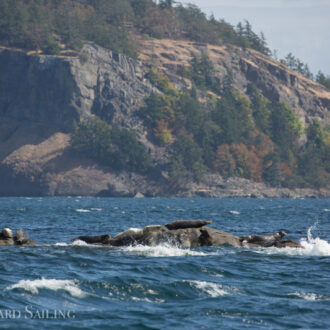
(234, 115)
(261, 108)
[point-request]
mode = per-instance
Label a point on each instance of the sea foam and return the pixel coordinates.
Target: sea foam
(163, 250)
(311, 247)
(82, 211)
(210, 288)
(234, 212)
(315, 246)
(33, 286)
(309, 296)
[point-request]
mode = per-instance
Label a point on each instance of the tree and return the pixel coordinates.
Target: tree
(157, 107)
(286, 127)
(261, 109)
(271, 172)
(224, 161)
(234, 115)
(322, 79)
(110, 146)
(190, 153)
(166, 4)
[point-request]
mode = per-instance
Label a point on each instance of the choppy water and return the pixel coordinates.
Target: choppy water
(57, 285)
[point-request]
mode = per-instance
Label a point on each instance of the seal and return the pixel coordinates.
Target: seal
(183, 224)
(6, 237)
(266, 240)
(102, 239)
(22, 238)
(6, 233)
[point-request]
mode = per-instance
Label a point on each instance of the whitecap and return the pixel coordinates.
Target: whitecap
(148, 300)
(75, 243)
(82, 210)
(309, 296)
(78, 242)
(210, 288)
(326, 210)
(96, 209)
(61, 244)
(234, 212)
(163, 250)
(152, 292)
(33, 286)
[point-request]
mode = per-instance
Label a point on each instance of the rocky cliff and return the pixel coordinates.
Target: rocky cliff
(41, 97)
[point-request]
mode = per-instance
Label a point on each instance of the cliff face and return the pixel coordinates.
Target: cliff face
(42, 96)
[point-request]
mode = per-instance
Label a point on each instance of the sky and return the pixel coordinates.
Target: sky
(301, 27)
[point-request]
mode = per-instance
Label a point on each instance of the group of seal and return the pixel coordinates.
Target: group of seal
(21, 238)
(184, 233)
(266, 240)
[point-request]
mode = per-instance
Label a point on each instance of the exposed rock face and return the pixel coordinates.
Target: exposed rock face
(42, 96)
(57, 91)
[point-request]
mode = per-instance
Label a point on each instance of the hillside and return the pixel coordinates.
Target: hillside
(180, 118)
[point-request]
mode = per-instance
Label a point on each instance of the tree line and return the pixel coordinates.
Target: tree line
(47, 25)
(299, 66)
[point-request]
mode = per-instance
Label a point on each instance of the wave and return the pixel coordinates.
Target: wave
(33, 286)
(82, 211)
(315, 246)
(309, 296)
(234, 212)
(159, 301)
(75, 243)
(210, 288)
(163, 250)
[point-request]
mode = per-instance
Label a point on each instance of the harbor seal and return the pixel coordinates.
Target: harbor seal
(6, 233)
(22, 238)
(183, 224)
(102, 239)
(266, 240)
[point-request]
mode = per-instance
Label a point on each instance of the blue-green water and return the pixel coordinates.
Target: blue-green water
(57, 285)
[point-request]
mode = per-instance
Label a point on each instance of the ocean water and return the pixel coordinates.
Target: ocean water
(59, 285)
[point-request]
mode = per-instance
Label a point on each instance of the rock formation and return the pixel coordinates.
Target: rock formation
(187, 234)
(187, 237)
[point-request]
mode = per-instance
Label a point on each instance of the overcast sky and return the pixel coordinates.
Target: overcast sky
(301, 27)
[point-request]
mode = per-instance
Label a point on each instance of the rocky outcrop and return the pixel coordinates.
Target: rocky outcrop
(188, 237)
